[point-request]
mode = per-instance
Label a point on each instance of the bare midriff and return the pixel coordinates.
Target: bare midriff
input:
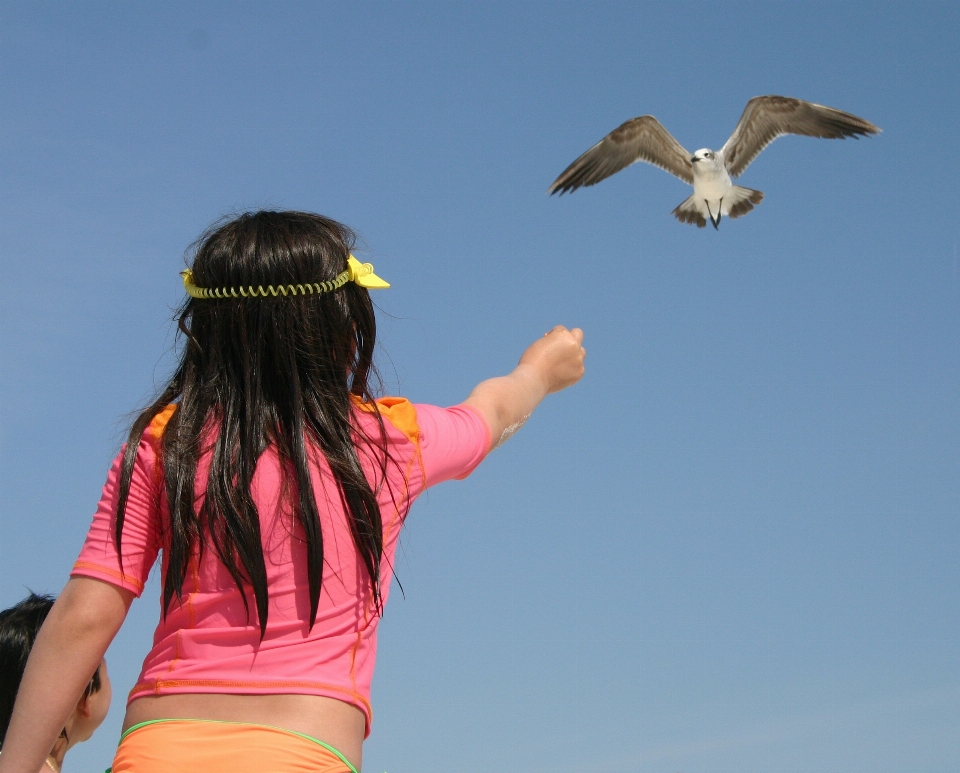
(334, 722)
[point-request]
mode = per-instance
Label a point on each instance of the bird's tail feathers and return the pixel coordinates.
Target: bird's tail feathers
(741, 200)
(689, 212)
(736, 202)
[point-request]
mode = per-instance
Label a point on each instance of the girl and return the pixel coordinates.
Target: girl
(18, 631)
(275, 486)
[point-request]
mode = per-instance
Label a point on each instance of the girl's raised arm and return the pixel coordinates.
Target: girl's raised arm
(549, 364)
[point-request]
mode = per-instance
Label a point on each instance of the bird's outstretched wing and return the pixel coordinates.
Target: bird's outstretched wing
(766, 118)
(639, 139)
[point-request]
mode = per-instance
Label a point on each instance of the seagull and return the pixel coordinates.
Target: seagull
(709, 171)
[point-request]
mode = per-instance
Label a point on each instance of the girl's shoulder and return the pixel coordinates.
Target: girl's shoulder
(399, 412)
(149, 448)
(154, 431)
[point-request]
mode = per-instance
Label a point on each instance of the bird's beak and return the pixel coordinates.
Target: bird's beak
(694, 159)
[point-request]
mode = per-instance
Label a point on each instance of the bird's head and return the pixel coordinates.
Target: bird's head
(704, 156)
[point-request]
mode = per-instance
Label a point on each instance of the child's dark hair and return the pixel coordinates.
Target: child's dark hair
(19, 627)
(277, 371)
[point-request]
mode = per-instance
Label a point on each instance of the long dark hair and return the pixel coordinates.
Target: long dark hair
(19, 627)
(266, 372)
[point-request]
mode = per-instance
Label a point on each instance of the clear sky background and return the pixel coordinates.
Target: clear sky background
(734, 546)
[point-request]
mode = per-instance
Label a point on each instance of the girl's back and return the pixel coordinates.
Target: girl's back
(212, 638)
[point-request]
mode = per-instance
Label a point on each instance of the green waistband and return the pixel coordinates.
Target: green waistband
(317, 741)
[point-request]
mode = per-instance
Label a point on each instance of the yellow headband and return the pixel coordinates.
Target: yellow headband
(357, 272)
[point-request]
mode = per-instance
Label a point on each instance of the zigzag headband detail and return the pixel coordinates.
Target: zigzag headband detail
(357, 272)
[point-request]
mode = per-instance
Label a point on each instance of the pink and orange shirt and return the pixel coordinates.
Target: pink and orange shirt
(209, 643)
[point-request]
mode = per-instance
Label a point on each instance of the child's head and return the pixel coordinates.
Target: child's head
(19, 627)
(317, 341)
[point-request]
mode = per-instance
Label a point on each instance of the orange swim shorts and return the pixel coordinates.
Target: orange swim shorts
(203, 746)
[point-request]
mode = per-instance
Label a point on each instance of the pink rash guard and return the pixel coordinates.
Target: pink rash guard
(208, 643)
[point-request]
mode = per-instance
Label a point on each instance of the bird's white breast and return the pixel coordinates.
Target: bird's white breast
(710, 179)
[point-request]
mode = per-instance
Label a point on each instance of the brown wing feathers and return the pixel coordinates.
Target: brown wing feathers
(766, 118)
(639, 139)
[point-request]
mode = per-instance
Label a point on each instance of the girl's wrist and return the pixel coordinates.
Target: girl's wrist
(534, 375)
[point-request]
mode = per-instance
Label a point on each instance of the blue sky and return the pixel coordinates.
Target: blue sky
(734, 545)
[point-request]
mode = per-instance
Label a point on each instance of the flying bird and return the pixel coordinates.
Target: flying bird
(709, 171)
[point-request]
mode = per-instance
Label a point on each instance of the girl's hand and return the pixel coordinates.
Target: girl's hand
(549, 364)
(557, 358)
